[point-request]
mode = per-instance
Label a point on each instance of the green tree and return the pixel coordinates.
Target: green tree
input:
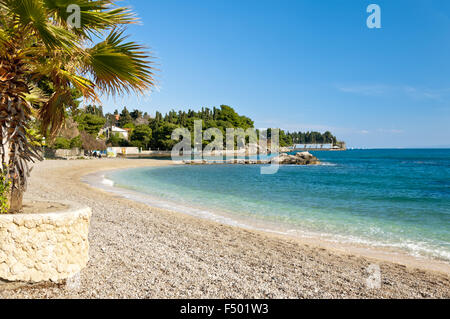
(61, 143)
(136, 114)
(141, 136)
(125, 118)
(130, 126)
(162, 136)
(76, 142)
(94, 109)
(90, 123)
(114, 140)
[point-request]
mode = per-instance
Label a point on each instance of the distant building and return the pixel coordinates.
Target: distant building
(115, 151)
(129, 131)
(314, 146)
(113, 130)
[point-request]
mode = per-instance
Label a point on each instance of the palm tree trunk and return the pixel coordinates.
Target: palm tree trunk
(16, 200)
(15, 114)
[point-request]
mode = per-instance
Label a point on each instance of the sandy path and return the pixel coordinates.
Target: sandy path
(142, 252)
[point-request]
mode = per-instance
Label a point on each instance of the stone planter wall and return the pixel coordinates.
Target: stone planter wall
(63, 154)
(44, 247)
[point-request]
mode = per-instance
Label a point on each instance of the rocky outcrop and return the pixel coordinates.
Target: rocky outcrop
(303, 158)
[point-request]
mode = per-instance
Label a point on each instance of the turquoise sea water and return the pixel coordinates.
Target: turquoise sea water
(389, 198)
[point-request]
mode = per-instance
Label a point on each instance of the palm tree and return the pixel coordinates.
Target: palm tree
(38, 42)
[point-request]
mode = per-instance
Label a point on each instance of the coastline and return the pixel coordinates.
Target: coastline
(328, 241)
(159, 253)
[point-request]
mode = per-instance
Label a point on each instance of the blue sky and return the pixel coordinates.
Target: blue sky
(304, 65)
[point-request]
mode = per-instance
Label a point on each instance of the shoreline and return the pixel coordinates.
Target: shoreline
(327, 241)
(139, 251)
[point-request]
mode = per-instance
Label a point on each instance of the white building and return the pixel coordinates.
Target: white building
(111, 131)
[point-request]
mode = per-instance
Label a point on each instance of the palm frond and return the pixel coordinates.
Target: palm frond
(5, 21)
(95, 15)
(118, 66)
(52, 113)
(32, 17)
(4, 37)
(85, 86)
(35, 96)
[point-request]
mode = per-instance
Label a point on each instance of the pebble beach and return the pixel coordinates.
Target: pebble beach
(139, 251)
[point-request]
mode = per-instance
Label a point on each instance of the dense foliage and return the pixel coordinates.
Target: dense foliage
(147, 132)
(312, 138)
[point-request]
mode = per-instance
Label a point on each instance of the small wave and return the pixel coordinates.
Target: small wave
(328, 164)
(107, 182)
(414, 248)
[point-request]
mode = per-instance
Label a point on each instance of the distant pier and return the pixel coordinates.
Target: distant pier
(317, 147)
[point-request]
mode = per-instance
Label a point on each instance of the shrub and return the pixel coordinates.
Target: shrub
(61, 143)
(76, 142)
(115, 140)
(138, 144)
(5, 186)
(90, 143)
